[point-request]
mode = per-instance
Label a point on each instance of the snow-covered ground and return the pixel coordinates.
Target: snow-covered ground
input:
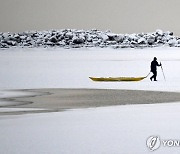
(122, 129)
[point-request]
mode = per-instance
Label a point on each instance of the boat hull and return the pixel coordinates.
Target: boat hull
(116, 79)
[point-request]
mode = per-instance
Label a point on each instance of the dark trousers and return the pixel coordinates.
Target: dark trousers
(154, 75)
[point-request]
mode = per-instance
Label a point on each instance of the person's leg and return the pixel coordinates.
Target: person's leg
(152, 76)
(155, 75)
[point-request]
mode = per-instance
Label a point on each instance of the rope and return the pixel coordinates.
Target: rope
(147, 75)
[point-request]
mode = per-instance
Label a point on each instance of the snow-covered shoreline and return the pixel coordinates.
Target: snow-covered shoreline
(72, 38)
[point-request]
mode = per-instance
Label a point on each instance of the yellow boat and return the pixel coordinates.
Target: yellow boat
(115, 79)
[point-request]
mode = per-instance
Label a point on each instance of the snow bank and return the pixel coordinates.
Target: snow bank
(71, 38)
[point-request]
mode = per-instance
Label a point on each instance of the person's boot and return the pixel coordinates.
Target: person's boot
(151, 78)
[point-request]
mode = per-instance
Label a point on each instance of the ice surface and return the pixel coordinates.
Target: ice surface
(120, 129)
(60, 68)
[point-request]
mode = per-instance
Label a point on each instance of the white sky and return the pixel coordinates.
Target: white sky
(120, 16)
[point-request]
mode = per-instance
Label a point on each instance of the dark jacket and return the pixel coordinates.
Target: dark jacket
(154, 65)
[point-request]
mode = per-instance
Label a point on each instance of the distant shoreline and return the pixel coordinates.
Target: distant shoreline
(56, 100)
(73, 38)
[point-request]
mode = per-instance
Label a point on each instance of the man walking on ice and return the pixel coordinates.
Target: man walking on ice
(154, 65)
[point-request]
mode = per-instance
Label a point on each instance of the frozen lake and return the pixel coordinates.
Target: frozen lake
(120, 129)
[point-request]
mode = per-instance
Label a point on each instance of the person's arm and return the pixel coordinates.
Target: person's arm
(159, 64)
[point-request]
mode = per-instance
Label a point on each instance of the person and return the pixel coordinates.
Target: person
(154, 65)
